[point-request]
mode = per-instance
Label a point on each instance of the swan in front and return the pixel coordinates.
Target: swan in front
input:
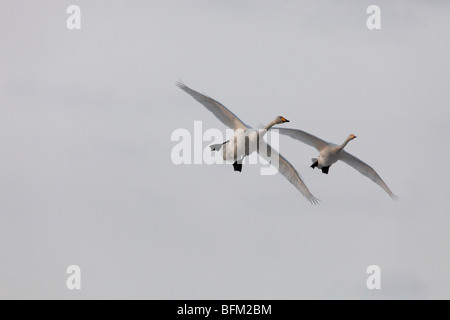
(247, 140)
(331, 153)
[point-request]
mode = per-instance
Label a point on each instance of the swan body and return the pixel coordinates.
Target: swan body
(326, 159)
(246, 141)
(330, 153)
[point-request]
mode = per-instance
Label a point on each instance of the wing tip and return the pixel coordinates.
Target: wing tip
(394, 197)
(180, 84)
(313, 200)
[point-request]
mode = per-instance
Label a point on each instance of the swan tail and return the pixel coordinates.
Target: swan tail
(216, 147)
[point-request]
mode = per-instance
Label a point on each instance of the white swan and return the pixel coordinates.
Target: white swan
(246, 140)
(331, 153)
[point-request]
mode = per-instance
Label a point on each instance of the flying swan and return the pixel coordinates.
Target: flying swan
(331, 153)
(245, 141)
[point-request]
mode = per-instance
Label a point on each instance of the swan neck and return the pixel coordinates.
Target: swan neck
(262, 132)
(342, 146)
(270, 125)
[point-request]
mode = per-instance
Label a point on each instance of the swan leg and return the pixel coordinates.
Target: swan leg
(237, 166)
(315, 165)
(326, 169)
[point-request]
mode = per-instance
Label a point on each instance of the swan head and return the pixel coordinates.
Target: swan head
(351, 137)
(280, 120)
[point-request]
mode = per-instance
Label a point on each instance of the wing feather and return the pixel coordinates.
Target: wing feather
(366, 170)
(221, 112)
(289, 172)
(305, 137)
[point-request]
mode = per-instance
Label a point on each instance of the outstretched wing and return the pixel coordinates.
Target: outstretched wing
(305, 137)
(366, 170)
(288, 171)
(225, 116)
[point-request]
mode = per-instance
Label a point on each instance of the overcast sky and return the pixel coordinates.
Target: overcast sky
(86, 177)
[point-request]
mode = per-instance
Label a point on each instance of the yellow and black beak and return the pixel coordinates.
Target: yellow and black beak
(284, 120)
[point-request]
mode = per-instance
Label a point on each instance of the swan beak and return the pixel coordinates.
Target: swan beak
(284, 120)
(354, 137)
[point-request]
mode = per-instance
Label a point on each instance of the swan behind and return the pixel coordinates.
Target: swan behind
(331, 153)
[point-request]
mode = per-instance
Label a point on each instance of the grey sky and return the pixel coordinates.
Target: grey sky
(87, 179)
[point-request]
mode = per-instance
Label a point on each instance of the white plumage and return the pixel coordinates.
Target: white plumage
(331, 153)
(235, 148)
